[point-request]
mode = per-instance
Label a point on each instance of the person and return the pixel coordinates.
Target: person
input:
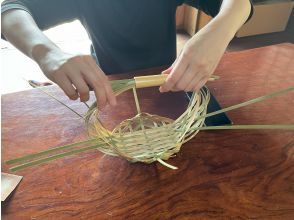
(126, 36)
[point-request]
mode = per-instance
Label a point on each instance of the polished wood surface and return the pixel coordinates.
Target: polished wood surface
(239, 174)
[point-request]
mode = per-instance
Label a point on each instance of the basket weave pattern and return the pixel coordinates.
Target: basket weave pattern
(147, 138)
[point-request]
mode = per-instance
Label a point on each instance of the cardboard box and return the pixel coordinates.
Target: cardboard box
(267, 18)
(186, 18)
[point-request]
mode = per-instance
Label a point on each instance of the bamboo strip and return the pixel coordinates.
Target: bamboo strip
(54, 157)
(252, 101)
(45, 152)
(136, 100)
(55, 98)
(166, 164)
(231, 127)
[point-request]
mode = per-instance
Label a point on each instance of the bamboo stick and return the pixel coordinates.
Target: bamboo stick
(156, 80)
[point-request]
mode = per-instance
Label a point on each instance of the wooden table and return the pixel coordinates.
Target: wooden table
(237, 174)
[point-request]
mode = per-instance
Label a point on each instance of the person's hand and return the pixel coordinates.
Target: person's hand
(202, 53)
(76, 75)
(196, 63)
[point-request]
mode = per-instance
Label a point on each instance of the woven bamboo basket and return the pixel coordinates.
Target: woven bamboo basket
(145, 137)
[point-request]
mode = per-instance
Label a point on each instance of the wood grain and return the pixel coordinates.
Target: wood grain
(222, 174)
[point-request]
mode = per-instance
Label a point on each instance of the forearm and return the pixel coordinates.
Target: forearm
(20, 29)
(73, 73)
(232, 15)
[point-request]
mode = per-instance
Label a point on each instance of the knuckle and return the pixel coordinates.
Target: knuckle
(55, 73)
(104, 78)
(97, 87)
(96, 83)
(186, 53)
(102, 81)
(202, 65)
(88, 57)
(171, 81)
(77, 57)
(100, 89)
(108, 87)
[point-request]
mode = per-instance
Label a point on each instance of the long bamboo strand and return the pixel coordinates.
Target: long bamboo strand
(231, 127)
(252, 101)
(45, 152)
(53, 157)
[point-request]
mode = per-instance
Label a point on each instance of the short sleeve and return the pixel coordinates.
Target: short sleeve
(46, 13)
(211, 7)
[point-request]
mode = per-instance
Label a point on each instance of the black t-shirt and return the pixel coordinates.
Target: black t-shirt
(126, 34)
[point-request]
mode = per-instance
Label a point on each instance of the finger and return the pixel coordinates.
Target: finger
(110, 95)
(98, 73)
(97, 86)
(79, 82)
(185, 80)
(196, 79)
(65, 84)
(192, 84)
(99, 89)
(200, 84)
(175, 75)
(101, 97)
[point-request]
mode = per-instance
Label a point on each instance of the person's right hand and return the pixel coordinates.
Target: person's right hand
(76, 74)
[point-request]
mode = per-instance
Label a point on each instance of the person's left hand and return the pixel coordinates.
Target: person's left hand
(202, 53)
(197, 61)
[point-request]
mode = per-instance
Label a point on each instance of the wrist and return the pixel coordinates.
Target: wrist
(42, 51)
(217, 30)
(222, 27)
